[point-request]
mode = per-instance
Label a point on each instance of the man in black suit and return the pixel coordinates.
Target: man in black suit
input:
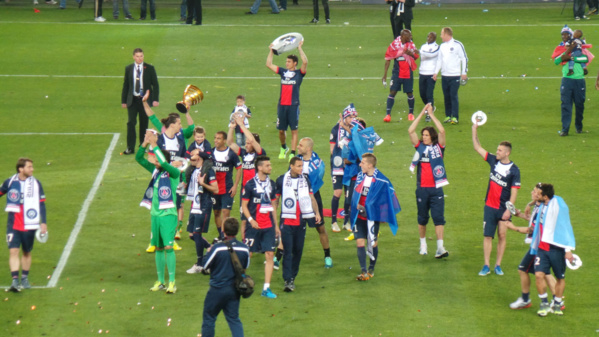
(140, 80)
(403, 15)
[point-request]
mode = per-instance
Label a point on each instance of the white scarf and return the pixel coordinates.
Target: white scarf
(371, 239)
(30, 192)
(290, 197)
(194, 191)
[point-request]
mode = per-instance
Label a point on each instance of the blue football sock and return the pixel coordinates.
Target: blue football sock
(390, 102)
(362, 258)
(334, 207)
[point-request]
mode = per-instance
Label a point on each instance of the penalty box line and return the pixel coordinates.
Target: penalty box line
(83, 214)
(66, 253)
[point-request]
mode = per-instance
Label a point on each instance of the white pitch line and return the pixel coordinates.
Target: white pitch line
(82, 215)
(274, 77)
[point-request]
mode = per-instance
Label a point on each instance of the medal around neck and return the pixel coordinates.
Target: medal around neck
(479, 118)
(42, 238)
(286, 42)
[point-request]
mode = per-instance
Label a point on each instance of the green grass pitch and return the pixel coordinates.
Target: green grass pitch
(60, 72)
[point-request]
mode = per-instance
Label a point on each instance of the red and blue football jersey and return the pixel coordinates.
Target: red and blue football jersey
(290, 85)
(502, 179)
(224, 164)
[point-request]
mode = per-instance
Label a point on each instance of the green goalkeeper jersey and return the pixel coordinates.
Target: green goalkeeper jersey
(173, 175)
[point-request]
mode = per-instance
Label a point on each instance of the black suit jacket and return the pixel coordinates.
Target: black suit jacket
(150, 82)
(407, 14)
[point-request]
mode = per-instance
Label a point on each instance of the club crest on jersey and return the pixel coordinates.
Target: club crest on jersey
(338, 161)
(288, 75)
(164, 192)
(31, 213)
(13, 195)
(289, 203)
(438, 171)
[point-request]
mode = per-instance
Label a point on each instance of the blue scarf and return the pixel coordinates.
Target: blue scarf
(265, 189)
(316, 171)
(557, 228)
(362, 141)
(381, 202)
(435, 158)
(165, 192)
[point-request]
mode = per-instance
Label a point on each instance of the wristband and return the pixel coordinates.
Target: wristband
(250, 219)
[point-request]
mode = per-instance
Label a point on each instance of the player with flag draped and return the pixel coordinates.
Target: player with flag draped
(373, 201)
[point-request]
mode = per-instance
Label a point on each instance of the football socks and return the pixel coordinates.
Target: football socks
(411, 104)
(362, 258)
(171, 262)
(160, 263)
(390, 102)
(334, 208)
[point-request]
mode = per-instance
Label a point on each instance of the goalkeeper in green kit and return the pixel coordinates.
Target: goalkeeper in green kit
(160, 200)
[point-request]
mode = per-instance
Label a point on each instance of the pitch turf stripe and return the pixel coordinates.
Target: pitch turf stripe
(274, 77)
(56, 134)
(82, 214)
(303, 26)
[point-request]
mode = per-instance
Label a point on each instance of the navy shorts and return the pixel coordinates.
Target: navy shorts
(361, 229)
(20, 239)
(406, 83)
(430, 199)
(527, 264)
(554, 259)
(288, 117)
(261, 240)
(491, 220)
(223, 201)
(179, 202)
(337, 182)
(199, 223)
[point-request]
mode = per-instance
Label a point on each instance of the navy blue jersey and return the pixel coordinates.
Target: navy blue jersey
(16, 221)
(204, 196)
(224, 164)
(338, 134)
(175, 146)
(290, 85)
(218, 261)
(250, 193)
(502, 179)
(203, 147)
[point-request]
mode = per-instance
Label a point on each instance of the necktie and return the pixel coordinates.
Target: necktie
(137, 80)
